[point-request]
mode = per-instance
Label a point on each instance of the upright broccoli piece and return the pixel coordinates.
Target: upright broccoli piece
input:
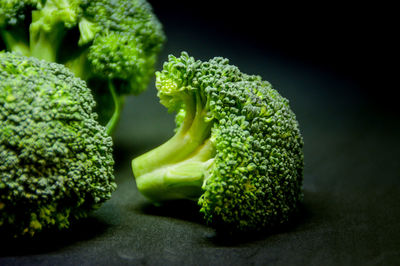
(56, 159)
(113, 45)
(237, 149)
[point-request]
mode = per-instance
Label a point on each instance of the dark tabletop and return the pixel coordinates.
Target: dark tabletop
(349, 121)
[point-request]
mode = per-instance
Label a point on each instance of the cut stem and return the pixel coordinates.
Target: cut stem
(182, 180)
(192, 134)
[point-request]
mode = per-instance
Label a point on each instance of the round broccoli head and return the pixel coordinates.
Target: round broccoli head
(105, 39)
(237, 150)
(127, 43)
(112, 45)
(56, 160)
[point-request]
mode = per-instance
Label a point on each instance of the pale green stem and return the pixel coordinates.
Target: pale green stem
(79, 65)
(182, 180)
(191, 135)
(14, 43)
(118, 103)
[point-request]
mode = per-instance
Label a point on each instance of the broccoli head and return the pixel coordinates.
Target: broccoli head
(113, 45)
(237, 149)
(56, 159)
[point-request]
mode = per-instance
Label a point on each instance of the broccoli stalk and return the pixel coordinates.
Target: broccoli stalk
(118, 103)
(49, 25)
(182, 162)
(14, 40)
(45, 45)
(45, 42)
(112, 45)
(237, 150)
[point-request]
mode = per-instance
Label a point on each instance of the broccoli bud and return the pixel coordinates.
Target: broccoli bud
(237, 150)
(113, 45)
(56, 161)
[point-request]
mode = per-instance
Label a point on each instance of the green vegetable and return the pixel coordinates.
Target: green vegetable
(56, 159)
(237, 148)
(112, 45)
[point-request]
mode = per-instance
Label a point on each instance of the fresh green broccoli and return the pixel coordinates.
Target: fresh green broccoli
(113, 45)
(56, 159)
(237, 149)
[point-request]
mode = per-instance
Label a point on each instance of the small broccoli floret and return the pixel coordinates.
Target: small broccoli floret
(56, 159)
(113, 45)
(237, 148)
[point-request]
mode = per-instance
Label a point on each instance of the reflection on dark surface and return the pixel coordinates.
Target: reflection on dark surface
(188, 211)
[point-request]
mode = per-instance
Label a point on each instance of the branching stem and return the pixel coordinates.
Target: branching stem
(192, 134)
(118, 103)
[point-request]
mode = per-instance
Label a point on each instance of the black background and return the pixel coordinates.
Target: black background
(336, 64)
(356, 41)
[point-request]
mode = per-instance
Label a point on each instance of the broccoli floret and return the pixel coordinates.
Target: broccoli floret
(56, 159)
(237, 148)
(113, 45)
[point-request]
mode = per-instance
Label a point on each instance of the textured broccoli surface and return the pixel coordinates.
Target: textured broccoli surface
(56, 159)
(237, 148)
(113, 45)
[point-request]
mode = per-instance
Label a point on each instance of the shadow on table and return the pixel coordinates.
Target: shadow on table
(315, 210)
(179, 209)
(229, 239)
(310, 212)
(45, 242)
